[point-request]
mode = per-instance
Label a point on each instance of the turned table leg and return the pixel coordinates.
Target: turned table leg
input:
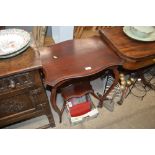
(116, 77)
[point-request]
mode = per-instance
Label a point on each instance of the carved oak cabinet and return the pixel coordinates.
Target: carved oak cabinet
(22, 94)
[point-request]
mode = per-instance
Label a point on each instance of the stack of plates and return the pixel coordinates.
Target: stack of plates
(13, 42)
(141, 33)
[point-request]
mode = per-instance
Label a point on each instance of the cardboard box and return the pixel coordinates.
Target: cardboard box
(85, 117)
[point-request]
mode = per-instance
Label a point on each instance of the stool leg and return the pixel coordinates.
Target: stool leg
(102, 98)
(54, 105)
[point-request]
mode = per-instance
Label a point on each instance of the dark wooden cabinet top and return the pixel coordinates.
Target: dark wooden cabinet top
(76, 58)
(126, 47)
(26, 61)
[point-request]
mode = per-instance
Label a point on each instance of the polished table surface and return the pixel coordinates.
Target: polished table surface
(76, 58)
(137, 54)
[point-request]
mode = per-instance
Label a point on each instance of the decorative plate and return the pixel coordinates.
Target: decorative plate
(15, 53)
(12, 40)
(129, 33)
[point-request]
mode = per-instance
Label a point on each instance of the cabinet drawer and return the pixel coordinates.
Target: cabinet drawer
(16, 82)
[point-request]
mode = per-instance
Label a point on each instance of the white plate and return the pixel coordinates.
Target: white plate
(15, 53)
(12, 40)
(128, 32)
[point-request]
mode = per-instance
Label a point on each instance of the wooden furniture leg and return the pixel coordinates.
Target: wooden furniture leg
(53, 102)
(63, 108)
(116, 76)
(49, 116)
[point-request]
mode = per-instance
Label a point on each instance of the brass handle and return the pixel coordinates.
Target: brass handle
(12, 84)
(153, 59)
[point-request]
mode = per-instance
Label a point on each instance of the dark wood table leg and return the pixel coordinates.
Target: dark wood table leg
(63, 107)
(49, 116)
(54, 105)
(116, 77)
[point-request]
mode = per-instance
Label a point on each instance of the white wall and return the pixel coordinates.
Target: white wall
(29, 29)
(58, 33)
(62, 33)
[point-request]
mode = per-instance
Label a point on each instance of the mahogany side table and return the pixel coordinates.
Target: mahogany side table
(76, 59)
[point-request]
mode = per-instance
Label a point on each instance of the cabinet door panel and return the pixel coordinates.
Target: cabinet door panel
(13, 104)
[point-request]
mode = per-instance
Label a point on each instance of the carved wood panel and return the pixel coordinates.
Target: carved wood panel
(24, 98)
(16, 82)
(18, 103)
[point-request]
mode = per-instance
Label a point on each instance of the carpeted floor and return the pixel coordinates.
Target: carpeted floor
(133, 114)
